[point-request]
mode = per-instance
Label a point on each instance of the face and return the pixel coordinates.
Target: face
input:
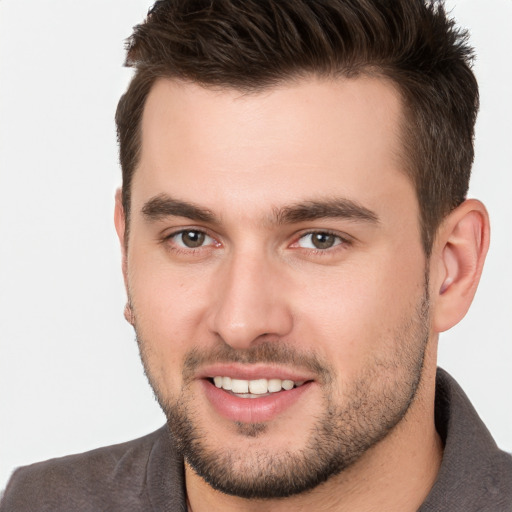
(276, 277)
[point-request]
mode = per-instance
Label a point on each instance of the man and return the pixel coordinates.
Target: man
(295, 236)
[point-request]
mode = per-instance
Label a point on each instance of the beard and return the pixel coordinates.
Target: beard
(375, 403)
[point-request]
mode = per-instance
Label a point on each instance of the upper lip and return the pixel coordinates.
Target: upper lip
(253, 372)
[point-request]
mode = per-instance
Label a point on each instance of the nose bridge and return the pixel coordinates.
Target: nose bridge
(250, 302)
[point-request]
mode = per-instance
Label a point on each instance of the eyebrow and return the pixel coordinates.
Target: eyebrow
(162, 206)
(332, 208)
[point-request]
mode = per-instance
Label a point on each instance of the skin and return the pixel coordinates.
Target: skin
(257, 281)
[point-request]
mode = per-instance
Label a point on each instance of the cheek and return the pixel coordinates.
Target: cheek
(165, 294)
(353, 315)
(168, 307)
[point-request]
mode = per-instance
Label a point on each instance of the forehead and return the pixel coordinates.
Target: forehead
(310, 138)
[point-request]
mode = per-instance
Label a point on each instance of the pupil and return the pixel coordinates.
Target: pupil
(323, 240)
(193, 238)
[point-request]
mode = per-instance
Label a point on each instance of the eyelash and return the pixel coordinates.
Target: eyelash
(343, 242)
(167, 239)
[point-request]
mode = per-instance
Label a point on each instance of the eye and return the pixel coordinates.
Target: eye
(191, 239)
(319, 240)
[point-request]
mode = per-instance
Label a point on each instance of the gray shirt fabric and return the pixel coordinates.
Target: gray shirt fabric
(147, 474)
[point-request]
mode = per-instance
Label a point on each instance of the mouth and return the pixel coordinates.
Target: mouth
(256, 398)
(255, 388)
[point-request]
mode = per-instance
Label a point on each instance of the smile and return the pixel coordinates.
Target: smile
(254, 388)
(253, 400)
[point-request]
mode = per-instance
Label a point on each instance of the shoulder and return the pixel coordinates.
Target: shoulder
(475, 475)
(498, 480)
(109, 478)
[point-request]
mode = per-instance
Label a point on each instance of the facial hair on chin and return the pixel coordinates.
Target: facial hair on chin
(340, 436)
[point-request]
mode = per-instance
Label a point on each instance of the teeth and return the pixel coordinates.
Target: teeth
(239, 386)
(255, 387)
(274, 385)
(226, 383)
(287, 384)
(258, 387)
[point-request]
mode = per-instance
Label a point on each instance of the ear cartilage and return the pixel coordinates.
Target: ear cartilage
(447, 282)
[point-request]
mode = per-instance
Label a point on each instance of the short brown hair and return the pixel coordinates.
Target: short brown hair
(255, 44)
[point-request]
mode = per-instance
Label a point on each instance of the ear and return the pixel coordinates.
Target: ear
(120, 224)
(457, 260)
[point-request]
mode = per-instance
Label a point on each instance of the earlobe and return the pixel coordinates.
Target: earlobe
(457, 261)
(128, 314)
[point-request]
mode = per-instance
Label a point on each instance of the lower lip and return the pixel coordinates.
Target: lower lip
(252, 410)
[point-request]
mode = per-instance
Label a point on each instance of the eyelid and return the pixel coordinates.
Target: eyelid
(167, 237)
(345, 240)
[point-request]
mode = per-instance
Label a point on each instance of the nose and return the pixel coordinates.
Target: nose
(249, 304)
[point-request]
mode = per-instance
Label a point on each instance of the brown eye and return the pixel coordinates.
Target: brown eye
(191, 239)
(323, 240)
(319, 240)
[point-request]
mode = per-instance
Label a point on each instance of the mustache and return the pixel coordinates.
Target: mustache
(266, 352)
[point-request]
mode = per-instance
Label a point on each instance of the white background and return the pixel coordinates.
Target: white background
(70, 377)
